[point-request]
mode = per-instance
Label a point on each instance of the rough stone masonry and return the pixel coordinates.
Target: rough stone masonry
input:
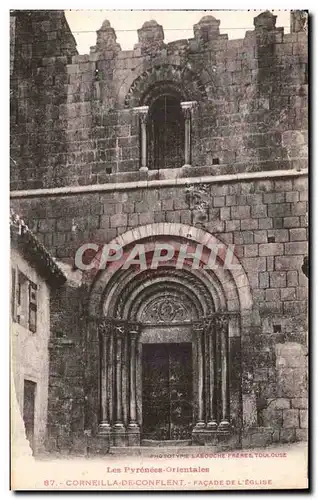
(83, 168)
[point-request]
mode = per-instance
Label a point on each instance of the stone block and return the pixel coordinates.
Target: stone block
(300, 403)
(265, 223)
(300, 184)
(290, 263)
(291, 418)
(219, 201)
(249, 224)
(292, 196)
(249, 410)
(298, 234)
(230, 200)
(303, 417)
(291, 382)
(283, 185)
(251, 250)
(241, 212)
(225, 213)
(279, 210)
(272, 417)
(291, 222)
(259, 211)
(303, 196)
(287, 435)
(232, 225)
(280, 235)
(146, 218)
(301, 435)
(260, 236)
(257, 438)
(277, 279)
(118, 220)
(172, 216)
(272, 295)
(46, 225)
(185, 217)
(299, 208)
(274, 198)
(254, 264)
(264, 280)
(271, 249)
(292, 278)
(280, 404)
(98, 445)
(167, 205)
(296, 248)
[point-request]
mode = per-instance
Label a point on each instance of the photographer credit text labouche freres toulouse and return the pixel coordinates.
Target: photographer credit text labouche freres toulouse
(201, 141)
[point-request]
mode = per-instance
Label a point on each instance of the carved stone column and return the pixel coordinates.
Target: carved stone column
(119, 429)
(212, 422)
(187, 108)
(133, 428)
(142, 111)
(222, 326)
(104, 426)
(200, 418)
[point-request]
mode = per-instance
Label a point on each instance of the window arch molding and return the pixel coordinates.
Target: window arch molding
(185, 79)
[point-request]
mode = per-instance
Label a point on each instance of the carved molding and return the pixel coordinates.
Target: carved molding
(166, 309)
(188, 81)
(199, 200)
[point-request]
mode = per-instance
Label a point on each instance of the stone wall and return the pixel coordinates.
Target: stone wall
(78, 130)
(72, 119)
(266, 221)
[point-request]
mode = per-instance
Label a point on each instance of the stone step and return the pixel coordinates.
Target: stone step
(147, 451)
(166, 443)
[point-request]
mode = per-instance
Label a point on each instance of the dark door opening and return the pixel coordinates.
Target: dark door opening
(167, 391)
(165, 133)
(28, 410)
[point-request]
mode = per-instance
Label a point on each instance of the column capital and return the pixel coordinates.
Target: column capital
(187, 107)
(142, 112)
(221, 321)
(119, 330)
(198, 327)
(134, 333)
(104, 327)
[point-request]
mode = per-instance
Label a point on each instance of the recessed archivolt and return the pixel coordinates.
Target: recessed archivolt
(229, 288)
(137, 309)
(206, 285)
(129, 292)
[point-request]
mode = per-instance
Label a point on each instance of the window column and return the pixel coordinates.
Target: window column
(187, 107)
(142, 111)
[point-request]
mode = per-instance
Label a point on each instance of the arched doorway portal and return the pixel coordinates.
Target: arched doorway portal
(167, 338)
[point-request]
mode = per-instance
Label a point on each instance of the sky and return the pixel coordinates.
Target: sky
(177, 24)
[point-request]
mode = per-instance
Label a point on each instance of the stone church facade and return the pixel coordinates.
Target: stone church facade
(199, 142)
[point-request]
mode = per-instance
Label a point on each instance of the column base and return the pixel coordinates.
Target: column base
(224, 425)
(200, 425)
(143, 169)
(104, 429)
(212, 425)
(186, 165)
(119, 435)
(133, 435)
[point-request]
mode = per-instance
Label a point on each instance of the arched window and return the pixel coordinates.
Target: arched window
(165, 133)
